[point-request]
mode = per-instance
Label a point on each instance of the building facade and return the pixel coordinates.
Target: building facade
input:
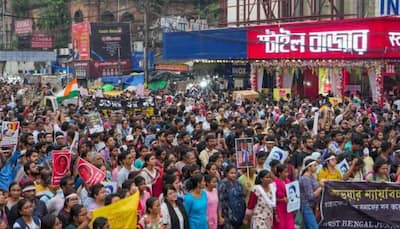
(250, 12)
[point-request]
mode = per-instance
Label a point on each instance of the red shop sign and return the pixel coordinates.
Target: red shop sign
(41, 40)
(345, 39)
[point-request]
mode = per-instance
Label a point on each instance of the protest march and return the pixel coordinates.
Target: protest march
(196, 160)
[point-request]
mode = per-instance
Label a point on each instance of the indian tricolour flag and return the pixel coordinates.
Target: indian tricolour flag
(70, 91)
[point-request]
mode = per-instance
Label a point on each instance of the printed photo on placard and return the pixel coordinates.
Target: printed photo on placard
(61, 164)
(244, 152)
(293, 196)
(94, 123)
(343, 166)
(275, 154)
(9, 133)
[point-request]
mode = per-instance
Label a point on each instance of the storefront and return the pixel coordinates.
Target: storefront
(311, 58)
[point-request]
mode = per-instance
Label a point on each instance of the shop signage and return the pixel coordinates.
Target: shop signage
(81, 41)
(326, 40)
(389, 7)
(41, 40)
(394, 38)
(110, 41)
(110, 68)
(23, 26)
(318, 42)
(172, 67)
(81, 69)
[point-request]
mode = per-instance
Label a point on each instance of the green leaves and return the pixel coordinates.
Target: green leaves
(54, 19)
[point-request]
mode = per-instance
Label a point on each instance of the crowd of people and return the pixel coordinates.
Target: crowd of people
(182, 159)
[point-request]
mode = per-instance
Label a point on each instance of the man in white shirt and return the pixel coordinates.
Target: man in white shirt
(125, 160)
(55, 204)
(204, 156)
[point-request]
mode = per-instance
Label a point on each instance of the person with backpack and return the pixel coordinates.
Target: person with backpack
(232, 202)
(26, 218)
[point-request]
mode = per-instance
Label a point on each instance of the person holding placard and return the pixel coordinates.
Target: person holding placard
(286, 219)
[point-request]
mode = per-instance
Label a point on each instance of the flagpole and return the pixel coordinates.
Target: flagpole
(77, 101)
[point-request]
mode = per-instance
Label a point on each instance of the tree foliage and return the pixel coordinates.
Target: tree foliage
(22, 8)
(208, 9)
(55, 19)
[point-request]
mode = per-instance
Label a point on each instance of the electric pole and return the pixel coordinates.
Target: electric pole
(3, 20)
(146, 42)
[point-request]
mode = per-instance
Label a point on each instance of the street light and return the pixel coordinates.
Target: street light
(203, 83)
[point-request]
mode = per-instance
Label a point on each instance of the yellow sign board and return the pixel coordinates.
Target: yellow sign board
(281, 93)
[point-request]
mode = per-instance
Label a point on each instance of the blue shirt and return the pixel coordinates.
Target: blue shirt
(196, 209)
(9, 170)
(308, 185)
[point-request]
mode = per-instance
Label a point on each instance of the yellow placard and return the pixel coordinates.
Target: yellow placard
(281, 93)
(335, 101)
(149, 111)
(120, 215)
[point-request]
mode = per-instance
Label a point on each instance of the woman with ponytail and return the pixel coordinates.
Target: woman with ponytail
(196, 202)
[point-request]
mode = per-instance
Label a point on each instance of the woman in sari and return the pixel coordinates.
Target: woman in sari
(262, 202)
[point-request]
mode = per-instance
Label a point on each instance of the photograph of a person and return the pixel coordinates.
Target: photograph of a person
(244, 152)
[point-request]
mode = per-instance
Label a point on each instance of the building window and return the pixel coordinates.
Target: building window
(127, 17)
(107, 17)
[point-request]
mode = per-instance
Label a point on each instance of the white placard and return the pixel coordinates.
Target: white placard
(315, 125)
(111, 187)
(343, 166)
(275, 154)
(293, 196)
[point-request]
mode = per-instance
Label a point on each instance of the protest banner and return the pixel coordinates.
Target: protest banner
(275, 154)
(343, 166)
(61, 165)
(244, 153)
(89, 173)
(121, 214)
(129, 106)
(293, 196)
(9, 133)
(360, 205)
(95, 123)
